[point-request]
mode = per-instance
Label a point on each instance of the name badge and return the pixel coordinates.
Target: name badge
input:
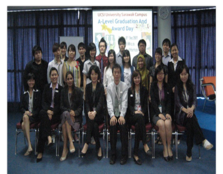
(160, 108)
(139, 108)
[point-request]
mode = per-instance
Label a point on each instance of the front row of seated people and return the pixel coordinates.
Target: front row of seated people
(125, 106)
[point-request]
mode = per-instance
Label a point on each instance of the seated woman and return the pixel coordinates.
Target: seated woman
(72, 65)
(30, 106)
(161, 106)
(138, 113)
(50, 113)
(71, 105)
(141, 66)
(94, 106)
(127, 69)
(185, 104)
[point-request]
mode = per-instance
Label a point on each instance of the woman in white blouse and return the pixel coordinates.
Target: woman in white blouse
(108, 77)
(126, 69)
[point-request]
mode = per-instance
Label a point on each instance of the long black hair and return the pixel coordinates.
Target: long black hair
(109, 53)
(96, 70)
(125, 54)
(73, 86)
(189, 83)
(135, 74)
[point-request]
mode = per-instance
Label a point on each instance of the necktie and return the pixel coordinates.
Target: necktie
(116, 103)
(101, 68)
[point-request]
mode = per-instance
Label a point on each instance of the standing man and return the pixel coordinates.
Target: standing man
(82, 50)
(142, 50)
(38, 67)
(57, 63)
(63, 48)
(121, 45)
(117, 105)
(101, 58)
(166, 51)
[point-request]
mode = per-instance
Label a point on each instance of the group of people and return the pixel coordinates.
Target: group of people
(128, 92)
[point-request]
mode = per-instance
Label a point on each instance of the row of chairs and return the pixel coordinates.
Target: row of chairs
(104, 131)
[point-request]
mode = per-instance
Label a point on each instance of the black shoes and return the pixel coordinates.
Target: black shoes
(123, 160)
(138, 161)
(170, 158)
(148, 152)
(100, 157)
(83, 154)
(166, 158)
(112, 159)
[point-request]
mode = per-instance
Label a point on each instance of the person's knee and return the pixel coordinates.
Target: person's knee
(25, 118)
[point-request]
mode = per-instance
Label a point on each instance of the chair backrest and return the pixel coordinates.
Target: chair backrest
(208, 89)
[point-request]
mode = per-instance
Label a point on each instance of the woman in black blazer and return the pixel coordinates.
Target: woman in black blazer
(50, 113)
(30, 106)
(71, 105)
(173, 71)
(185, 99)
(161, 106)
(94, 107)
(137, 113)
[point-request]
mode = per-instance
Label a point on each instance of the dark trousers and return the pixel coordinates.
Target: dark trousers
(45, 129)
(138, 121)
(92, 130)
(124, 138)
(193, 130)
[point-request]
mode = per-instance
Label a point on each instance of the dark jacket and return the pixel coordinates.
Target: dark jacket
(77, 103)
(173, 76)
(155, 101)
(143, 103)
(180, 102)
(96, 101)
(24, 102)
(40, 72)
(47, 99)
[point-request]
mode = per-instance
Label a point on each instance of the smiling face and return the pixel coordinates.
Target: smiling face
(31, 83)
(111, 58)
(158, 57)
(166, 47)
(92, 53)
(174, 51)
(184, 76)
(137, 80)
(126, 59)
(54, 76)
(160, 76)
(70, 80)
(71, 54)
(140, 63)
(94, 76)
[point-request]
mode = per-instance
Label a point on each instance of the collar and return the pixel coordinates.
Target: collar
(51, 86)
(34, 90)
(179, 59)
(61, 61)
(168, 55)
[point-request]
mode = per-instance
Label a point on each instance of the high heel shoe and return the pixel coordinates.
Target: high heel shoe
(39, 159)
(166, 158)
(138, 161)
(63, 158)
(100, 157)
(170, 158)
(83, 154)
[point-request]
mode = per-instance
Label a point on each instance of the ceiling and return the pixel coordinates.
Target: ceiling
(37, 8)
